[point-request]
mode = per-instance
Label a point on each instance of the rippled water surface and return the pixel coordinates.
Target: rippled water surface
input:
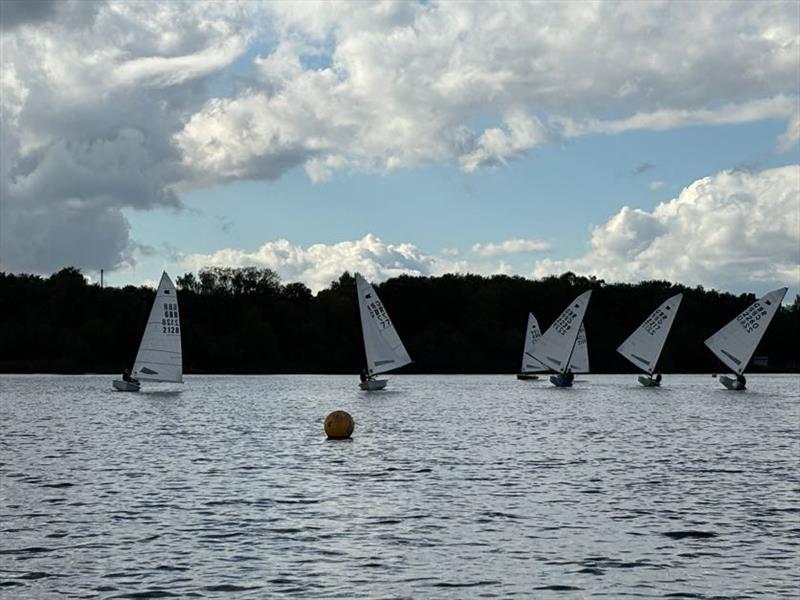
(452, 486)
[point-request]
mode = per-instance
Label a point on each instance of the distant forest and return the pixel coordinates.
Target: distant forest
(247, 321)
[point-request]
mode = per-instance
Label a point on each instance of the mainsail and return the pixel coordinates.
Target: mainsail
(643, 347)
(555, 348)
(160, 357)
(384, 349)
(580, 356)
(735, 343)
(532, 333)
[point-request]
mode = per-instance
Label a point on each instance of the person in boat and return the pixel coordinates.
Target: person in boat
(364, 375)
(741, 379)
(658, 378)
(126, 376)
(569, 375)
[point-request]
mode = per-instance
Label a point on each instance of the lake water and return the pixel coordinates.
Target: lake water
(452, 487)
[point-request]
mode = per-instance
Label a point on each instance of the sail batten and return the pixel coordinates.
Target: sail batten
(160, 357)
(736, 343)
(644, 346)
(556, 346)
(382, 344)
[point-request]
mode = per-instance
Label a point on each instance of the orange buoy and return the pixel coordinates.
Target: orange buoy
(339, 425)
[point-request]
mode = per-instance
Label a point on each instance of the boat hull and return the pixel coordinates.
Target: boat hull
(373, 384)
(527, 377)
(731, 383)
(648, 381)
(560, 381)
(125, 386)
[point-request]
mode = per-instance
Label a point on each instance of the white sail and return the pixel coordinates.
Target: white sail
(555, 348)
(160, 357)
(384, 349)
(580, 356)
(643, 347)
(532, 333)
(735, 343)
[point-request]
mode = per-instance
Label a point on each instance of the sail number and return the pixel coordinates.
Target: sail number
(654, 322)
(564, 322)
(749, 319)
(377, 312)
(170, 322)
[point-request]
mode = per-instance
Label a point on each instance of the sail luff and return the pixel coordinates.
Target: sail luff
(737, 341)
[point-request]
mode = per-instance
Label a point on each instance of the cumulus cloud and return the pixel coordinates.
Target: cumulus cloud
(733, 230)
(319, 264)
(515, 246)
(401, 84)
(91, 94)
(111, 106)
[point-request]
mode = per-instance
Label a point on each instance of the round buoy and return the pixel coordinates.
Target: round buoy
(339, 425)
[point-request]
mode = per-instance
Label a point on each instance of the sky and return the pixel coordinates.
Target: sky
(625, 140)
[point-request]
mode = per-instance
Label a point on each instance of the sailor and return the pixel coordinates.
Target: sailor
(658, 378)
(126, 376)
(363, 375)
(569, 375)
(741, 380)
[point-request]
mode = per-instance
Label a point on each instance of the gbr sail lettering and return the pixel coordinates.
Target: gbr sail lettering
(170, 323)
(749, 319)
(377, 312)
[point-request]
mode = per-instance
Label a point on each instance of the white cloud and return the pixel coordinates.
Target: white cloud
(515, 246)
(778, 107)
(733, 230)
(483, 83)
(319, 264)
(656, 185)
(107, 106)
(92, 93)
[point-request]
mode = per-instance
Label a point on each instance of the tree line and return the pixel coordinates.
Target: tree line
(248, 321)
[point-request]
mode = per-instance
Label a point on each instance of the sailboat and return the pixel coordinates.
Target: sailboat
(531, 366)
(735, 343)
(556, 347)
(578, 364)
(159, 357)
(382, 345)
(643, 347)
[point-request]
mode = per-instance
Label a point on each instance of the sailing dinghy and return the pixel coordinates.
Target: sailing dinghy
(159, 357)
(736, 343)
(556, 348)
(643, 347)
(382, 345)
(531, 366)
